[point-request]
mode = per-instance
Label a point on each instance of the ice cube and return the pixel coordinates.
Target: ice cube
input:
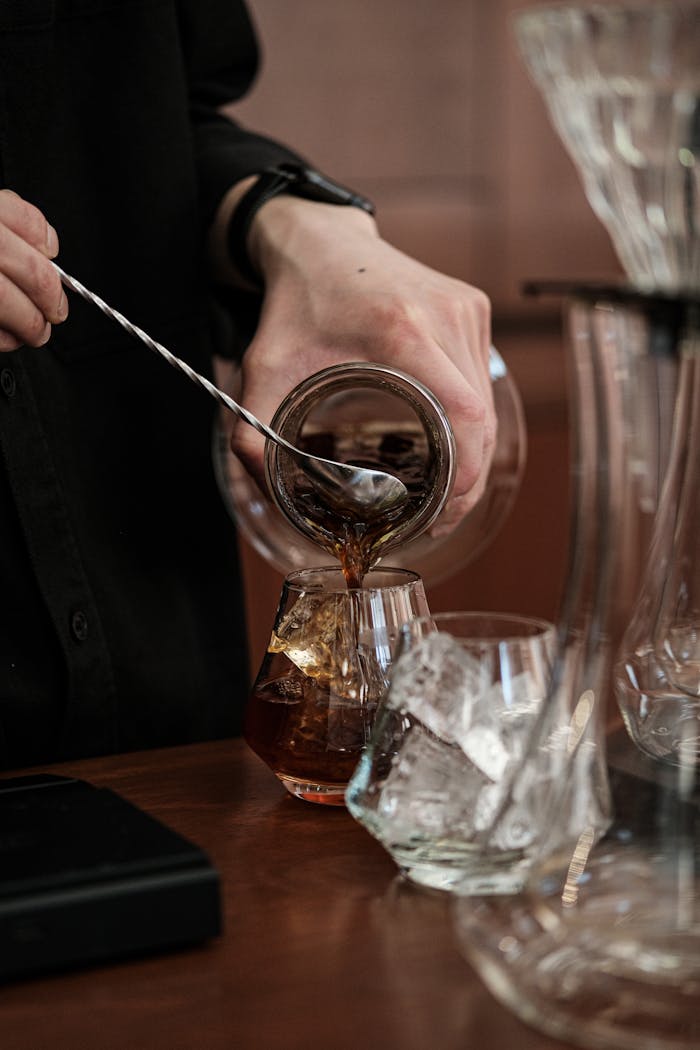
(436, 682)
(430, 788)
(454, 696)
(483, 746)
(486, 806)
(318, 635)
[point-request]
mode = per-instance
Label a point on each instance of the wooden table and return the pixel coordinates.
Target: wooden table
(325, 947)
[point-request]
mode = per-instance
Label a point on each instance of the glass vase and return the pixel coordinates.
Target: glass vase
(602, 944)
(621, 82)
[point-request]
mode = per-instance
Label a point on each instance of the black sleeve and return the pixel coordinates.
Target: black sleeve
(222, 59)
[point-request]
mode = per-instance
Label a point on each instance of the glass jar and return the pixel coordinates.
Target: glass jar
(374, 415)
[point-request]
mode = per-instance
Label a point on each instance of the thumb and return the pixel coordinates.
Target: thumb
(260, 394)
(249, 447)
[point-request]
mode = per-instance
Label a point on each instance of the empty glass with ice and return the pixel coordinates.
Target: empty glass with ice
(466, 690)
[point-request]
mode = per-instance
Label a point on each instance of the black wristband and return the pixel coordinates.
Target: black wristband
(296, 179)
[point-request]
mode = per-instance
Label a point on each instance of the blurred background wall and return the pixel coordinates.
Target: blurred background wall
(428, 110)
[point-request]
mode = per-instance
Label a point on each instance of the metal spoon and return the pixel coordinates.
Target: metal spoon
(368, 493)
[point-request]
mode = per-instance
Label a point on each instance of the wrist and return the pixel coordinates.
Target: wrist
(248, 234)
(287, 229)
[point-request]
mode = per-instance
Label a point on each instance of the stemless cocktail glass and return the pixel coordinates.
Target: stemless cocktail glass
(466, 692)
(314, 700)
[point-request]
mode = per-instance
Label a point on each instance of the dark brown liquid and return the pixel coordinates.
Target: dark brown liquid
(290, 724)
(357, 543)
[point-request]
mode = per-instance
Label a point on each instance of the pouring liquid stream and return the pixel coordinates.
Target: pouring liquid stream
(355, 538)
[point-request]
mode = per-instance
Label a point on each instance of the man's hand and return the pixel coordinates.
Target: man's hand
(31, 295)
(334, 291)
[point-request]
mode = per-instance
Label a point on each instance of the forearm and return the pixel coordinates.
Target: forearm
(222, 269)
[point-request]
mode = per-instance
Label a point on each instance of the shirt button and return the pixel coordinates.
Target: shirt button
(7, 382)
(79, 626)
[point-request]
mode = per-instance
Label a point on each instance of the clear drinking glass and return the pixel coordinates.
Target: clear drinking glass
(466, 690)
(314, 700)
(374, 416)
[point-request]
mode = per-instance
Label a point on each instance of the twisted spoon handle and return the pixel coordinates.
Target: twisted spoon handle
(176, 362)
(370, 490)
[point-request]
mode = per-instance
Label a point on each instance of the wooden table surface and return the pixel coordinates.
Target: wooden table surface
(325, 946)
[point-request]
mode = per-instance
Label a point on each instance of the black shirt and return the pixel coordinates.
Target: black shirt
(120, 612)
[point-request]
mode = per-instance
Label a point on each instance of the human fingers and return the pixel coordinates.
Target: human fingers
(261, 395)
(448, 351)
(469, 413)
(28, 222)
(31, 295)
